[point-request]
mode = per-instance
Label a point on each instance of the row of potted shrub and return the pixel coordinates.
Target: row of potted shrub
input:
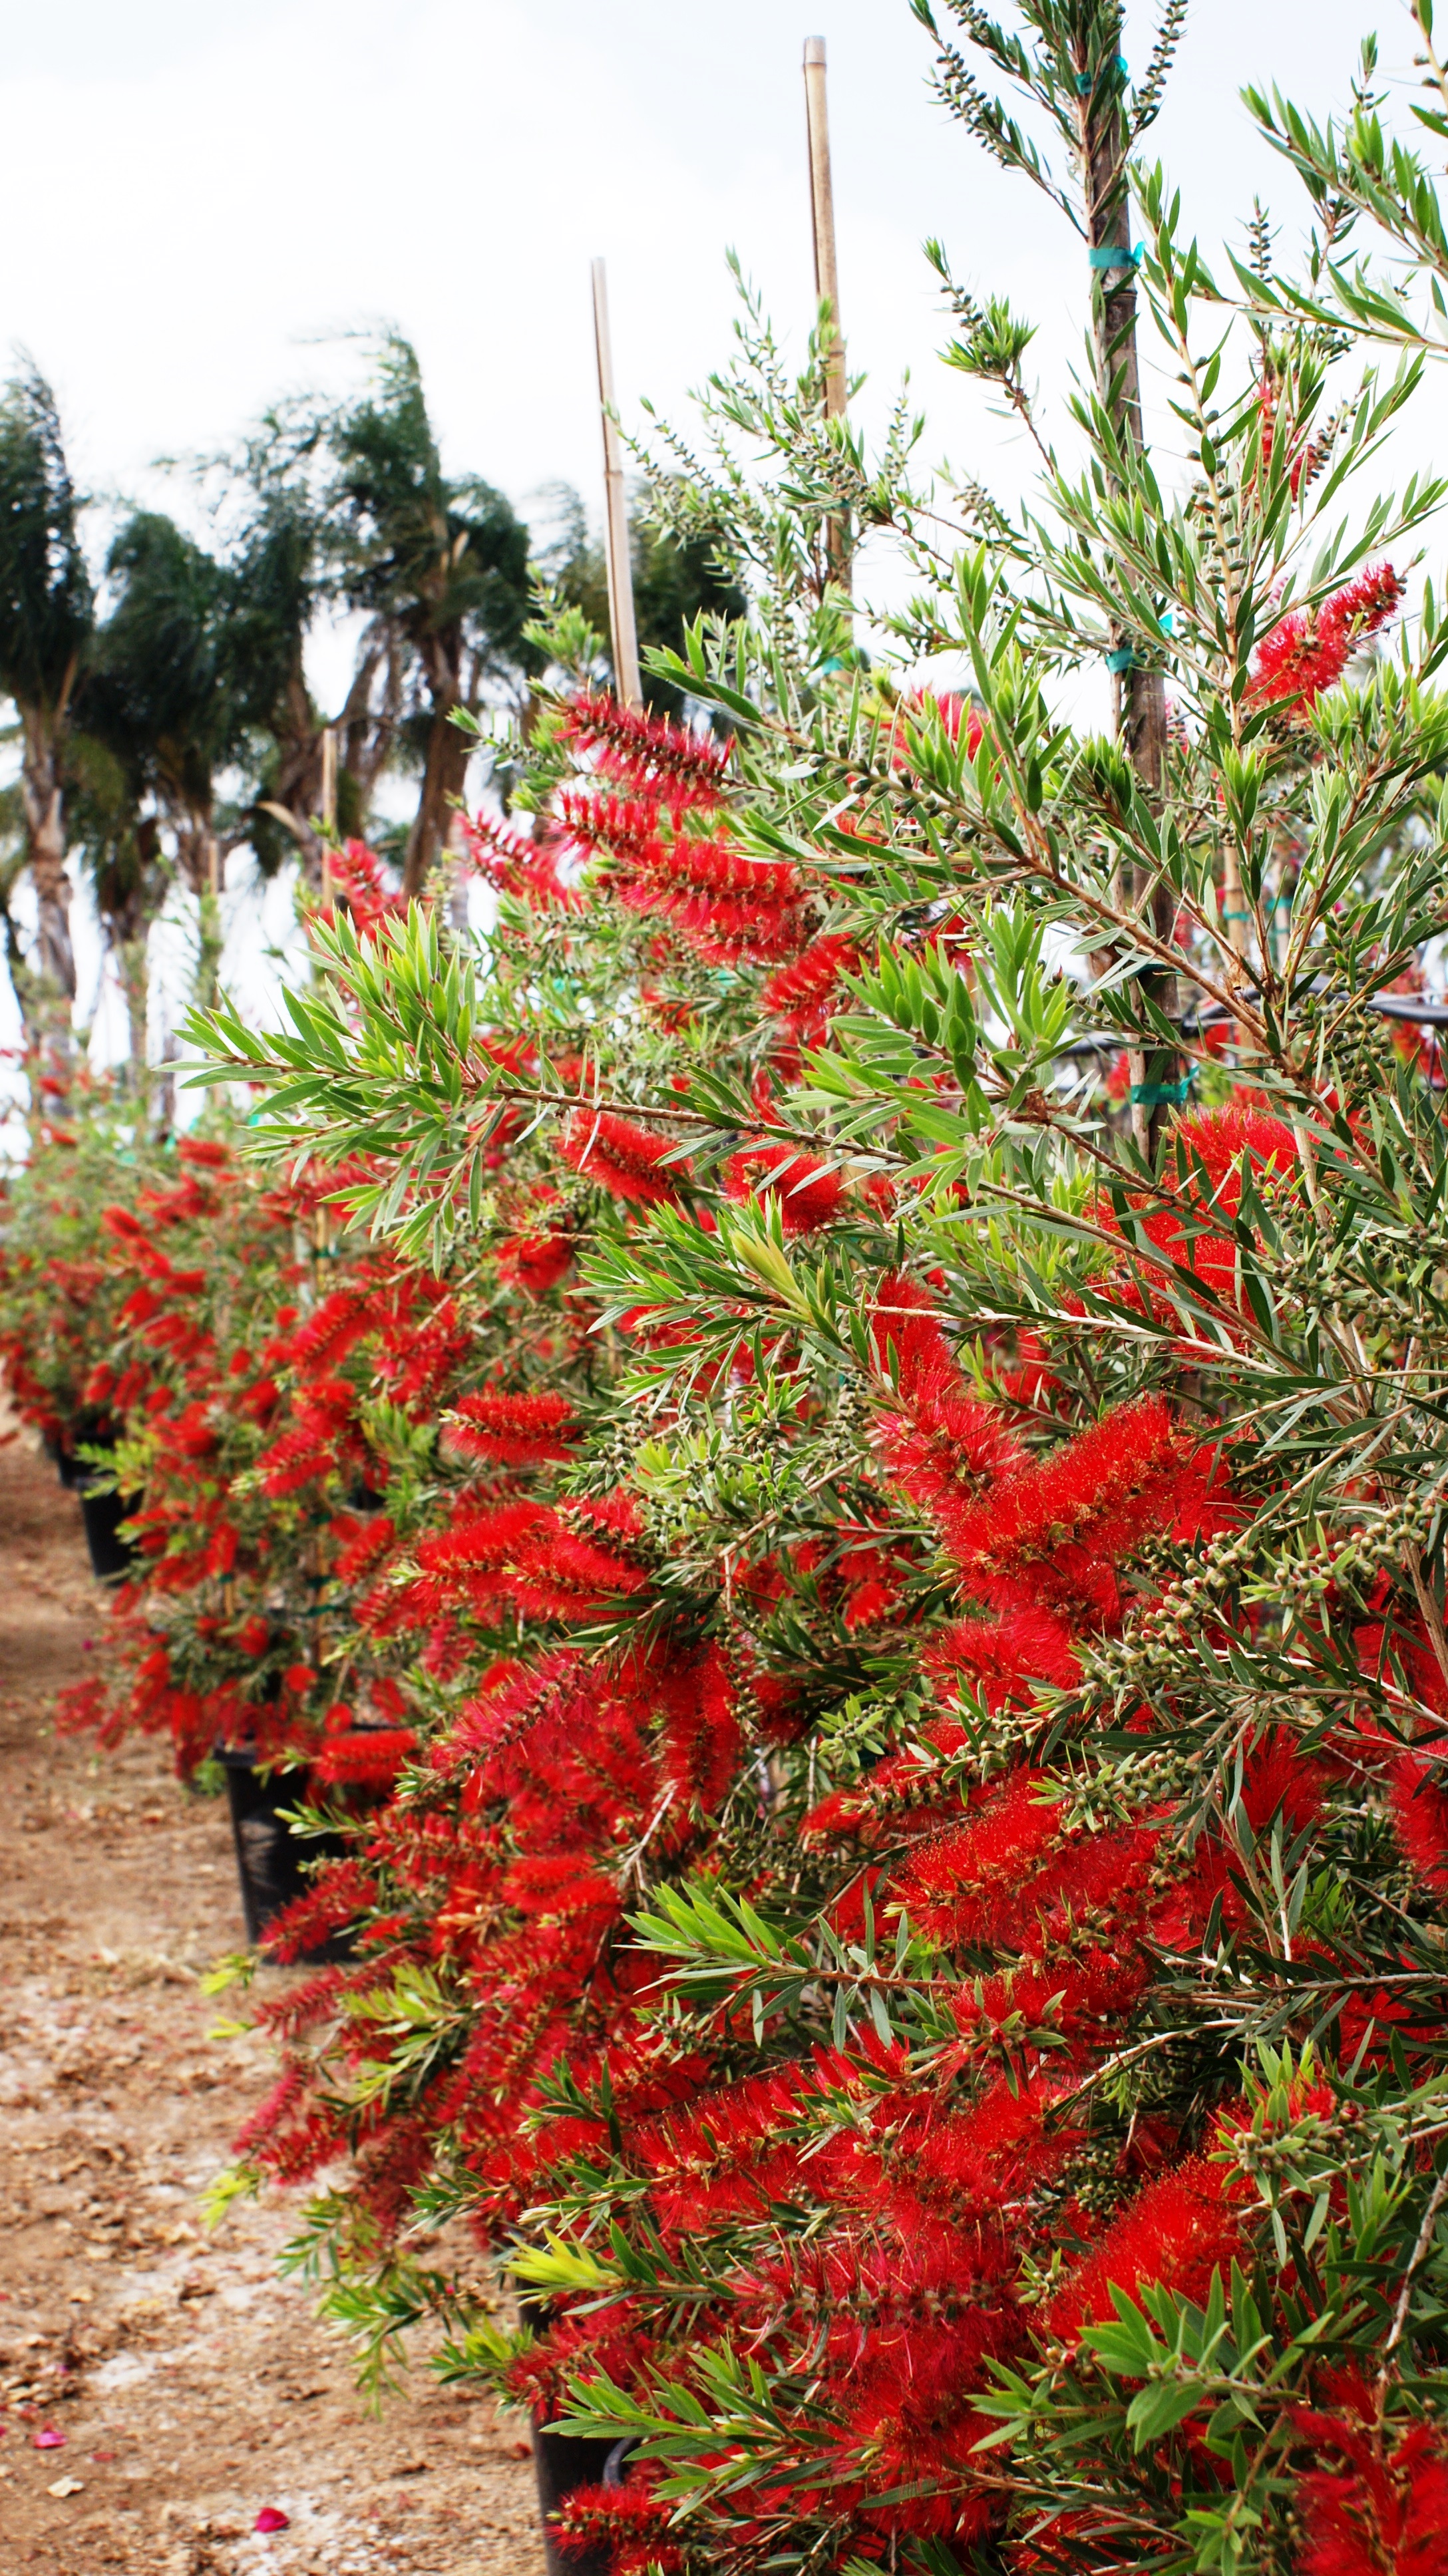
(830, 1456)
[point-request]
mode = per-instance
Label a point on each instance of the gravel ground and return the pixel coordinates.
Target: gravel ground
(160, 2387)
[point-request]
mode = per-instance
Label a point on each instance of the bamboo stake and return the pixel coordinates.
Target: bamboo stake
(827, 272)
(615, 510)
(822, 212)
(329, 806)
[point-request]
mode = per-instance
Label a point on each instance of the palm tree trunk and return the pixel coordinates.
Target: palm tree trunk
(40, 789)
(448, 754)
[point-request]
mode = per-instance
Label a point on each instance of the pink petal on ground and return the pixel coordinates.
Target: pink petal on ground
(47, 2439)
(269, 2519)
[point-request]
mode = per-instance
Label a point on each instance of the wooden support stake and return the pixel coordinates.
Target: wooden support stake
(615, 511)
(827, 273)
(822, 210)
(329, 807)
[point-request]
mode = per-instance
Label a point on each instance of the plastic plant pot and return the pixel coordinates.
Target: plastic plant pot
(270, 1858)
(561, 2463)
(111, 1555)
(86, 1430)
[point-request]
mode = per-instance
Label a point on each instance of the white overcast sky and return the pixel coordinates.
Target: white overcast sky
(191, 194)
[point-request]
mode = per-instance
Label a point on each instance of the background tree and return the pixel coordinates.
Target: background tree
(125, 863)
(440, 565)
(46, 609)
(277, 576)
(160, 694)
(676, 579)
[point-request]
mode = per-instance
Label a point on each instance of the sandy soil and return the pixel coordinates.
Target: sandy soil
(159, 2386)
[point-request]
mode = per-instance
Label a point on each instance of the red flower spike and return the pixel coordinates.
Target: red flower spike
(809, 1193)
(647, 749)
(524, 1430)
(1178, 2231)
(624, 1159)
(1308, 651)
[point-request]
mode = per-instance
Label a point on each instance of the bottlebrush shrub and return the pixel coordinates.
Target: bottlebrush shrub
(60, 1289)
(318, 1433)
(936, 1961)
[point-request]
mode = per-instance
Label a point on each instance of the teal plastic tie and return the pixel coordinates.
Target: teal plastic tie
(1123, 659)
(1157, 1095)
(1107, 255)
(1086, 81)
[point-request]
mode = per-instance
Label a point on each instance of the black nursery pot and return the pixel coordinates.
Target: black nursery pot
(269, 1856)
(87, 1429)
(111, 1555)
(560, 2464)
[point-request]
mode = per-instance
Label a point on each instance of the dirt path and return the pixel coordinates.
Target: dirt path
(189, 2387)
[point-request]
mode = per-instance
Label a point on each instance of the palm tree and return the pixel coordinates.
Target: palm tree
(158, 692)
(437, 563)
(46, 616)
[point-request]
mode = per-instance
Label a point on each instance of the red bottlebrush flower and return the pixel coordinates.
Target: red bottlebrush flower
(802, 993)
(125, 1227)
(701, 1732)
(337, 1325)
(1051, 1534)
(1386, 2512)
(517, 863)
(1278, 1778)
(515, 1699)
(524, 1430)
(622, 828)
(623, 1159)
(1220, 1137)
(1177, 2231)
(967, 1884)
(629, 2524)
(253, 1636)
(809, 1193)
(293, 1461)
(942, 1434)
(478, 1542)
(1005, 1656)
(557, 1575)
(1419, 1804)
(1309, 650)
(360, 1543)
(372, 1755)
(1214, 1142)
(647, 749)
(536, 1261)
(358, 880)
(205, 1153)
(956, 710)
(1382, 1650)
(222, 1553)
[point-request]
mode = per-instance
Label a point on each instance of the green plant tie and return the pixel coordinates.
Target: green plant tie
(1123, 659)
(1114, 254)
(1086, 81)
(1157, 1095)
